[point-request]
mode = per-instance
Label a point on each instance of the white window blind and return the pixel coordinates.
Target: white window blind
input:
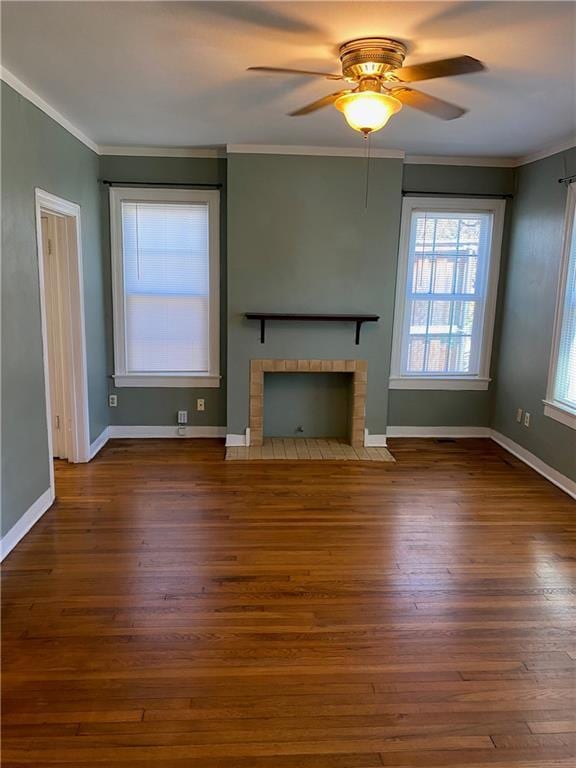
(448, 263)
(166, 285)
(165, 259)
(564, 376)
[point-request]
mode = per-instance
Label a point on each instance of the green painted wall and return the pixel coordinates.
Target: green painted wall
(301, 238)
(439, 408)
(458, 179)
(528, 312)
(37, 152)
(158, 407)
(461, 408)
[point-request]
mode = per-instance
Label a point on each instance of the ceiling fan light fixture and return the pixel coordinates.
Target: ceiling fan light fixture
(367, 111)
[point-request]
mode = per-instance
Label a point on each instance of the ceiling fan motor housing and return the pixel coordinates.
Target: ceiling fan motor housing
(371, 56)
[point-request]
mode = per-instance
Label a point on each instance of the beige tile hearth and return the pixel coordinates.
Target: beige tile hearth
(305, 449)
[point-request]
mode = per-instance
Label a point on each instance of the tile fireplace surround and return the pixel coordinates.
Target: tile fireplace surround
(357, 368)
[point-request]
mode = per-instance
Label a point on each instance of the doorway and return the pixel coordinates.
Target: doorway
(63, 334)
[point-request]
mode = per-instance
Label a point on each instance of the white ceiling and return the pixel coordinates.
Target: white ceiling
(173, 73)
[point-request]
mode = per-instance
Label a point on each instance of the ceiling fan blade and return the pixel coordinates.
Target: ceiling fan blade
(262, 16)
(284, 71)
(429, 104)
(325, 101)
(460, 65)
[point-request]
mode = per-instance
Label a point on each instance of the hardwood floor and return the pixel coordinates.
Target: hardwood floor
(175, 610)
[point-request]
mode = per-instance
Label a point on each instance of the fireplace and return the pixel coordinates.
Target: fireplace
(357, 368)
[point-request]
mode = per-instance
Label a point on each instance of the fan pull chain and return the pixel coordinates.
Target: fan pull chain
(368, 145)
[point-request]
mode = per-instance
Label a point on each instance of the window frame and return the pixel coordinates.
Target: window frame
(553, 408)
(122, 377)
(481, 380)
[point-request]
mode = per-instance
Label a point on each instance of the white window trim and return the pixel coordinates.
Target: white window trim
(430, 382)
(559, 411)
(122, 377)
(482, 379)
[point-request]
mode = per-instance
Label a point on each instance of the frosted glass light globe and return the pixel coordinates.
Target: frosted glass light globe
(367, 111)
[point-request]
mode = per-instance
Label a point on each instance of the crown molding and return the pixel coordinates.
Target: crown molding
(272, 149)
(281, 149)
(568, 143)
(24, 90)
(492, 162)
(208, 152)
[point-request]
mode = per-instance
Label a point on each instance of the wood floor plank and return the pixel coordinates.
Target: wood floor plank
(173, 610)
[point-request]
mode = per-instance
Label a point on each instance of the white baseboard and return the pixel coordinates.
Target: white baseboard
(28, 519)
(551, 474)
(438, 432)
(238, 441)
(241, 441)
(99, 443)
(132, 431)
(374, 441)
(235, 441)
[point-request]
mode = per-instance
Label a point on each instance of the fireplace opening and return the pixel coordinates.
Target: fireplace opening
(317, 405)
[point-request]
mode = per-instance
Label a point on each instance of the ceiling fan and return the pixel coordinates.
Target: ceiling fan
(374, 65)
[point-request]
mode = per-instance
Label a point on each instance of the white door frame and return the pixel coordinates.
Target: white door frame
(72, 310)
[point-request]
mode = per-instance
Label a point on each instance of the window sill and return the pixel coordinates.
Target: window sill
(204, 381)
(561, 413)
(414, 382)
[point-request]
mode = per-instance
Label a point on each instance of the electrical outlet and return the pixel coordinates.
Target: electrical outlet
(182, 417)
(526, 419)
(519, 415)
(200, 404)
(112, 401)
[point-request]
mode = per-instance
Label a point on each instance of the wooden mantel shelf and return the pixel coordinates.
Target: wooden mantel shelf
(264, 316)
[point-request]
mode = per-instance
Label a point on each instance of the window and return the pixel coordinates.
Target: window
(560, 403)
(165, 258)
(446, 293)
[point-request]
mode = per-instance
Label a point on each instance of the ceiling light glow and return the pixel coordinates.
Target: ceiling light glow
(367, 111)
